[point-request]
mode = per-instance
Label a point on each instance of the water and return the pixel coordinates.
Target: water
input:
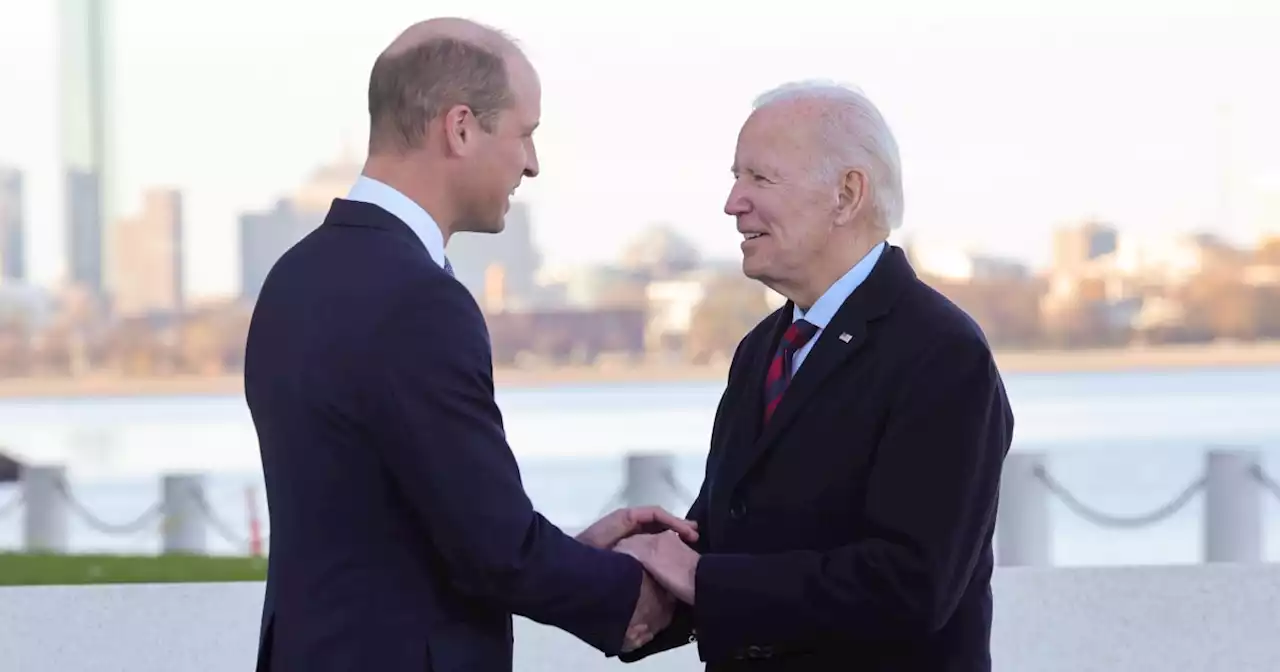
(1122, 442)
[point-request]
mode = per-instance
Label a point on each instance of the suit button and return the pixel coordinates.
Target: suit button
(738, 510)
(759, 652)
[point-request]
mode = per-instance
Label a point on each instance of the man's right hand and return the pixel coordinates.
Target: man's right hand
(652, 614)
(623, 523)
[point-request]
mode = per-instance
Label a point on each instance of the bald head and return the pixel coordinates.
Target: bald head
(430, 67)
(450, 28)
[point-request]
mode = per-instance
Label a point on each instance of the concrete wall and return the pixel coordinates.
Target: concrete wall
(1189, 619)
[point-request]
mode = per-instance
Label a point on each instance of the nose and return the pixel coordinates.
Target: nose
(531, 164)
(737, 204)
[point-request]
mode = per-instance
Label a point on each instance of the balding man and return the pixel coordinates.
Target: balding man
(849, 502)
(402, 539)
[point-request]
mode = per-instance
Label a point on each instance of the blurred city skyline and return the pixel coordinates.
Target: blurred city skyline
(1008, 127)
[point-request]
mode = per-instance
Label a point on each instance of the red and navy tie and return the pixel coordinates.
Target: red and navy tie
(779, 375)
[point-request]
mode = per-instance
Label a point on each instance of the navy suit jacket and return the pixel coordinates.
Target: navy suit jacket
(401, 536)
(854, 531)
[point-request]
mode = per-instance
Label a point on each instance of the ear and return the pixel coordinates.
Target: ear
(459, 129)
(851, 196)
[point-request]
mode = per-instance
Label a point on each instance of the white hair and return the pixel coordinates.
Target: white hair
(855, 136)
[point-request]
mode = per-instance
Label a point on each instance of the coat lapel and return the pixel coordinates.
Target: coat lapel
(753, 406)
(843, 337)
(744, 428)
(829, 352)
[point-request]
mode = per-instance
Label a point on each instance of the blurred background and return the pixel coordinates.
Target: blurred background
(1097, 183)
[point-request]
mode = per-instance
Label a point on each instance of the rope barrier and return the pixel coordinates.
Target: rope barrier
(229, 533)
(219, 526)
(669, 477)
(1268, 483)
(151, 515)
(1103, 519)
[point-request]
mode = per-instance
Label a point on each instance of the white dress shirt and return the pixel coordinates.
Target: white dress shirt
(825, 308)
(373, 192)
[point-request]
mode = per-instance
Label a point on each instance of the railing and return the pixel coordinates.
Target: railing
(1234, 486)
(1233, 483)
(182, 515)
(1136, 619)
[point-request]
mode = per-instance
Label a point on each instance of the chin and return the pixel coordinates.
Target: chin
(753, 264)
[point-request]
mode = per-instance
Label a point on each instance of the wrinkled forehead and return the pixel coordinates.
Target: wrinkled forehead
(782, 134)
(525, 84)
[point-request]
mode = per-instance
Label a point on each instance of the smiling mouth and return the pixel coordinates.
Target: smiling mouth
(752, 236)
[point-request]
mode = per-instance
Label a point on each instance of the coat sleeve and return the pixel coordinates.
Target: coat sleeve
(930, 509)
(447, 455)
(681, 630)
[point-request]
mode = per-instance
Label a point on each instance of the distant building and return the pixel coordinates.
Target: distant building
(86, 137)
(266, 235)
(510, 258)
(13, 266)
(671, 306)
(1075, 246)
(1263, 208)
(566, 336)
(147, 257)
(960, 265)
(661, 252)
(31, 306)
(597, 286)
(1163, 260)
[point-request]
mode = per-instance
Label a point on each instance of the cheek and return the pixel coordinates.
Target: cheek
(782, 220)
(518, 156)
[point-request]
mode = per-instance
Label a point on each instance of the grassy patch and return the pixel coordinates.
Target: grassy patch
(30, 569)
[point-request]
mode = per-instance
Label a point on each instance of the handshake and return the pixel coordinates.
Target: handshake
(659, 541)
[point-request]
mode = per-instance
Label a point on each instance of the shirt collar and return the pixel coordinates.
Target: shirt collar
(822, 310)
(369, 190)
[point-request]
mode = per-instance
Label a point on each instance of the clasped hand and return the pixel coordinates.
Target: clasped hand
(658, 540)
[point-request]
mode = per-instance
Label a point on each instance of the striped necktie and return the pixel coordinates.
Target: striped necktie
(779, 375)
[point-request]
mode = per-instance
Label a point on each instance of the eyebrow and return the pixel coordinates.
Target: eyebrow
(765, 171)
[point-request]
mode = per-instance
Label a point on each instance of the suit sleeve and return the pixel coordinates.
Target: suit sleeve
(448, 457)
(681, 630)
(929, 510)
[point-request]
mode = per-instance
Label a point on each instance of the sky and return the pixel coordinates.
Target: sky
(1011, 119)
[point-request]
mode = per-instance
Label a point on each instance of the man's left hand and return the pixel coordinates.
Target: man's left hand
(623, 523)
(668, 559)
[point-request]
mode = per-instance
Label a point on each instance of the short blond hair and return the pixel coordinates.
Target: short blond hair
(409, 88)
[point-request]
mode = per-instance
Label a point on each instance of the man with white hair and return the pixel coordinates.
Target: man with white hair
(846, 516)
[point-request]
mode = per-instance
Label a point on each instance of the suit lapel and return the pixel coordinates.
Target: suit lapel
(754, 397)
(744, 429)
(843, 337)
(828, 354)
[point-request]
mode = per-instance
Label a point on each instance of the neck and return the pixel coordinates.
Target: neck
(405, 175)
(825, 273)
